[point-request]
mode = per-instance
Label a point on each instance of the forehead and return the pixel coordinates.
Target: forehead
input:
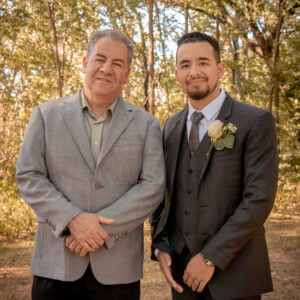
(191, 51)
(110, 48)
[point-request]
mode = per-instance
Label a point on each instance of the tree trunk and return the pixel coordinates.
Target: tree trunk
(275, 74)
(186, 30)
(144, 66)
(186, 18)
(236, 73)
(151, 59)
(58, 64)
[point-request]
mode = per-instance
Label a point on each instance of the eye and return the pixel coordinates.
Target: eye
(203, 64)
(185, 66)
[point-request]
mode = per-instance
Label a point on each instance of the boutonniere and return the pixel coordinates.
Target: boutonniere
(221, 136)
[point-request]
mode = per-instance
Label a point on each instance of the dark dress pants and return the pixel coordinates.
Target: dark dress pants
(179, 262)
(85, 288)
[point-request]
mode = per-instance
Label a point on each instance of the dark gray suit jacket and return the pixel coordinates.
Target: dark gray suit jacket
(236, 192)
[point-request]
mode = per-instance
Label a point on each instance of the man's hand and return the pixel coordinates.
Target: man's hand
(86, 230)
(75, 246)
(197, 273)
(165, 263)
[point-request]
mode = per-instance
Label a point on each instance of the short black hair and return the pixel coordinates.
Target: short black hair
(196, 37)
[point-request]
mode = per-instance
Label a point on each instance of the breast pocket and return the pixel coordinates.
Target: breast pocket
(226, 155)
(126, 159)
(128, 147)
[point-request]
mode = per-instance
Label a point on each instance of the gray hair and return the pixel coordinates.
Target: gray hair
(115, 35)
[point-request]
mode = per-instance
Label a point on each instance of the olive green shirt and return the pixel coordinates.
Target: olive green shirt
(97, 128)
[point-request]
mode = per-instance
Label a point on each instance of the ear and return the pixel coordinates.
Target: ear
(221, 69)
(125, 80)
(84, 64)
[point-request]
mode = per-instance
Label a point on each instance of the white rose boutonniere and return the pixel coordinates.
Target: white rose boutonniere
(221, 136)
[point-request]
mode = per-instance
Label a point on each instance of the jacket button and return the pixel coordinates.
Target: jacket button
(98, 186)
(189, 192)
(190, 171)
(186, 212)
(186, 233)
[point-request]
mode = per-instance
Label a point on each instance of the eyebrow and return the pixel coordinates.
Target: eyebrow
(199, 58)
(115, 59)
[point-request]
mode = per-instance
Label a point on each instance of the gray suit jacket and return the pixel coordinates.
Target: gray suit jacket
(58, 178)
(236, 191)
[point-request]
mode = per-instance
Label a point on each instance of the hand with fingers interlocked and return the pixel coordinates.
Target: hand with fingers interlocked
(87, 234)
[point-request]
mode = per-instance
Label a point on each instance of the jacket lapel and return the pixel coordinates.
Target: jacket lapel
(119, 122)
(172, 141)
(72, 112)
(224, 114)
(226, 109)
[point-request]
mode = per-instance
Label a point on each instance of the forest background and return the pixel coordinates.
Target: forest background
(42, 43)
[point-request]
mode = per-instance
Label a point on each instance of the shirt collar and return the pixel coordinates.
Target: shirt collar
(211, 109)
(85, 105)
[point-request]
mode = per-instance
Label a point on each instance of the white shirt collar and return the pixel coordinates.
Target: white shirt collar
(211, 109)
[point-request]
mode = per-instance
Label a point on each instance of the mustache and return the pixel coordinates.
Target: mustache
(196, 78)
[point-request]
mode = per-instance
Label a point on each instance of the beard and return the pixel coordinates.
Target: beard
(199, 94)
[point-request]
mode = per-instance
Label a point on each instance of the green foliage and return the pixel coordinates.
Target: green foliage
(16, 217)
(36, 55)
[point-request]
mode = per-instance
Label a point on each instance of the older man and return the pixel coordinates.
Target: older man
(91, 166)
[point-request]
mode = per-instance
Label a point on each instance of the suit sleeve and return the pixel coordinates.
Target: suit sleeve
(137, 204)
(33, 181)
(260, 183)
(159, 235)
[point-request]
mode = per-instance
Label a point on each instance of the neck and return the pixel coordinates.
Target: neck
(201, 103)
(98, 105)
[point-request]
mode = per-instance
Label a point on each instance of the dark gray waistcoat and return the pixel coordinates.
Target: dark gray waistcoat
(182, 223)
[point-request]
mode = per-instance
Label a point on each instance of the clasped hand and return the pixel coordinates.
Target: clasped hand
(87, 234)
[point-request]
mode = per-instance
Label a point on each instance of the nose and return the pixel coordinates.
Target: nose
(195, 71)
(106, 67)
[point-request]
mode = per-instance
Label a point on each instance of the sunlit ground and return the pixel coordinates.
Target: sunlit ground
(284, 245)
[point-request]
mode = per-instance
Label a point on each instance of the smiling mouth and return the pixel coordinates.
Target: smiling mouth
(103, 80)
(197, 80)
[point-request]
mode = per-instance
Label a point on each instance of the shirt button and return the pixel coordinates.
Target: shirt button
(98, 186)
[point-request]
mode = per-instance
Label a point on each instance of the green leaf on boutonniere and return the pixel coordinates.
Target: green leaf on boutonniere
(219, 144)
(228, 141)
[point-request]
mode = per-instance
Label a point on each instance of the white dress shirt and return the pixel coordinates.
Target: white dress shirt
(210, 113)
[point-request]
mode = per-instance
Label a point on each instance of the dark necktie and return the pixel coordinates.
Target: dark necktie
(194, 133)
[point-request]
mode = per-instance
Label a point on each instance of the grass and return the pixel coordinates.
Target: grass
(284, 248)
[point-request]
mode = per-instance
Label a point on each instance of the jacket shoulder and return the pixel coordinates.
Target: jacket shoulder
(55, 103)
(249, 109)
(178, 116)
(138, 111)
